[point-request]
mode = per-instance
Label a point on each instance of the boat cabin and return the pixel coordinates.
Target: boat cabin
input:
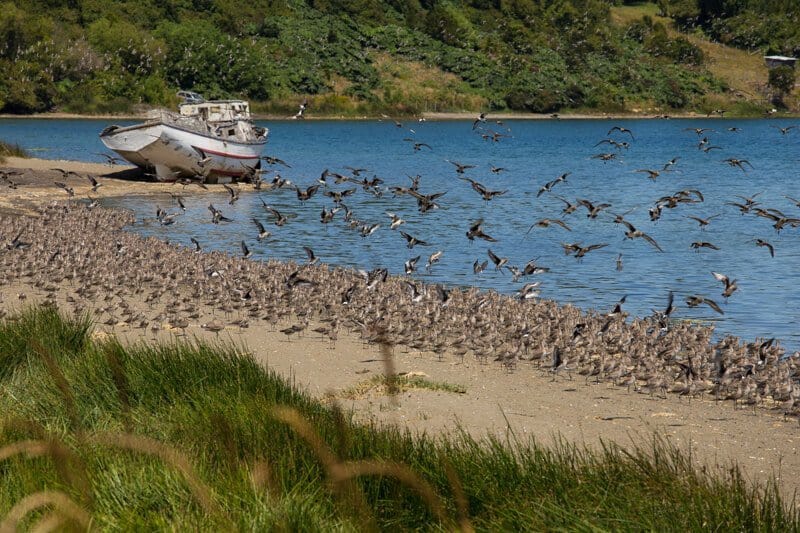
(217, 110)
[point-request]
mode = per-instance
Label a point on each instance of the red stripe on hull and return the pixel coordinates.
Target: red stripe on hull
(223, 154)
(226, 172)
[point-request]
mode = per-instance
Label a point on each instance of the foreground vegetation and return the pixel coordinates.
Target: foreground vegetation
(13, 150)
(193, 436)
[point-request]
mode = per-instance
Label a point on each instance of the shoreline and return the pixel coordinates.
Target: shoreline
(332, 352)
(435, 116)
(35, 189)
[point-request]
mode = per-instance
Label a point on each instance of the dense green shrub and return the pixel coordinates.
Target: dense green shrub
(767, 25)
(517, 54)
(781, 79)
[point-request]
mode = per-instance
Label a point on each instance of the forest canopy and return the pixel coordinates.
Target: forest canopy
(95, 56)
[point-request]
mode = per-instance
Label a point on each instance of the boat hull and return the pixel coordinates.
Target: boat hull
(173, 152)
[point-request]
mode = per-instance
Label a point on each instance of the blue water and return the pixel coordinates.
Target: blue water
(535, 152)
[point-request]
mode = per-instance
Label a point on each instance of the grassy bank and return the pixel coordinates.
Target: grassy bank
(13, 150)
(189, 435)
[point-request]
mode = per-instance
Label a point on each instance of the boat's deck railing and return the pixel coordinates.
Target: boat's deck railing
(195, 123)
(190, 123)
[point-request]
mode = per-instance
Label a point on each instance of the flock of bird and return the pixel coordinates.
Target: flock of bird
(80, 257)
(145, 282)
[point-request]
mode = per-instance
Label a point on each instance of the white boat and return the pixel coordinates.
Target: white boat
(214, 141)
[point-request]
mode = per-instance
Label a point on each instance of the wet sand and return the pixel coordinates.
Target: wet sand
(35, 183)
(526, 400)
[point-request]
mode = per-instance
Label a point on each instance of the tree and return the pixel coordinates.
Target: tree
(781, 79)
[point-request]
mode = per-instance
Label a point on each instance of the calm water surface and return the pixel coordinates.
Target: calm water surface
(535, 152)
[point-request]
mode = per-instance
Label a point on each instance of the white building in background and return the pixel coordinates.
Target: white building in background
(780, 61)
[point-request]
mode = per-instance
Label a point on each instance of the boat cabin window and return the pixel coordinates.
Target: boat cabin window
(231, 132)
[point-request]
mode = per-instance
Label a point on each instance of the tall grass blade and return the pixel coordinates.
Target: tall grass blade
(63, 504)
(462, 506)
(68, 465)
(169, 455)
(61, 384)
(114, 354)
(338, 480)
(402, 473)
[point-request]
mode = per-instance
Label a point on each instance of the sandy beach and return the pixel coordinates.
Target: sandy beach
(525, 399)
(36, 176)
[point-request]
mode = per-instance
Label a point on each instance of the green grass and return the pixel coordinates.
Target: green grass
(13, 150)
(383, 384)
(744, 73)
(194, 436)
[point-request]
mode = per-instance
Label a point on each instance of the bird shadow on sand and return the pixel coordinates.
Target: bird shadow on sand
(131, 174)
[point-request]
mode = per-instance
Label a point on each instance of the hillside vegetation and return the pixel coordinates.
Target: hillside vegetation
(349, 56)
(768, 26)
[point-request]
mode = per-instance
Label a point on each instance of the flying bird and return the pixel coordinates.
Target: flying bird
(499, 262)
(411, 265)
(617, 310)
(476, 231)
(69, 190)
(280, 219)
(529, 290)
(547, 187)
(110, 159)
(418, 145)
(546, 223)
(785, 130)
(730, 285)
(583, 250)
(703, 222)
(738, 163)
(459, 167)
(593, 210)
(634, 233)
(765, 244)
(94, 182)
(699, 131)
(703, 244)
(275, 161)
(695, 300)
(217, 216)
(433, 259)
(605, 158)
(412, 241)
(621, 130)
(569, 207)
(310, 255)
(262, 232)
(234, 193)
(396, 220)
(304, 195)
(652, 174)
